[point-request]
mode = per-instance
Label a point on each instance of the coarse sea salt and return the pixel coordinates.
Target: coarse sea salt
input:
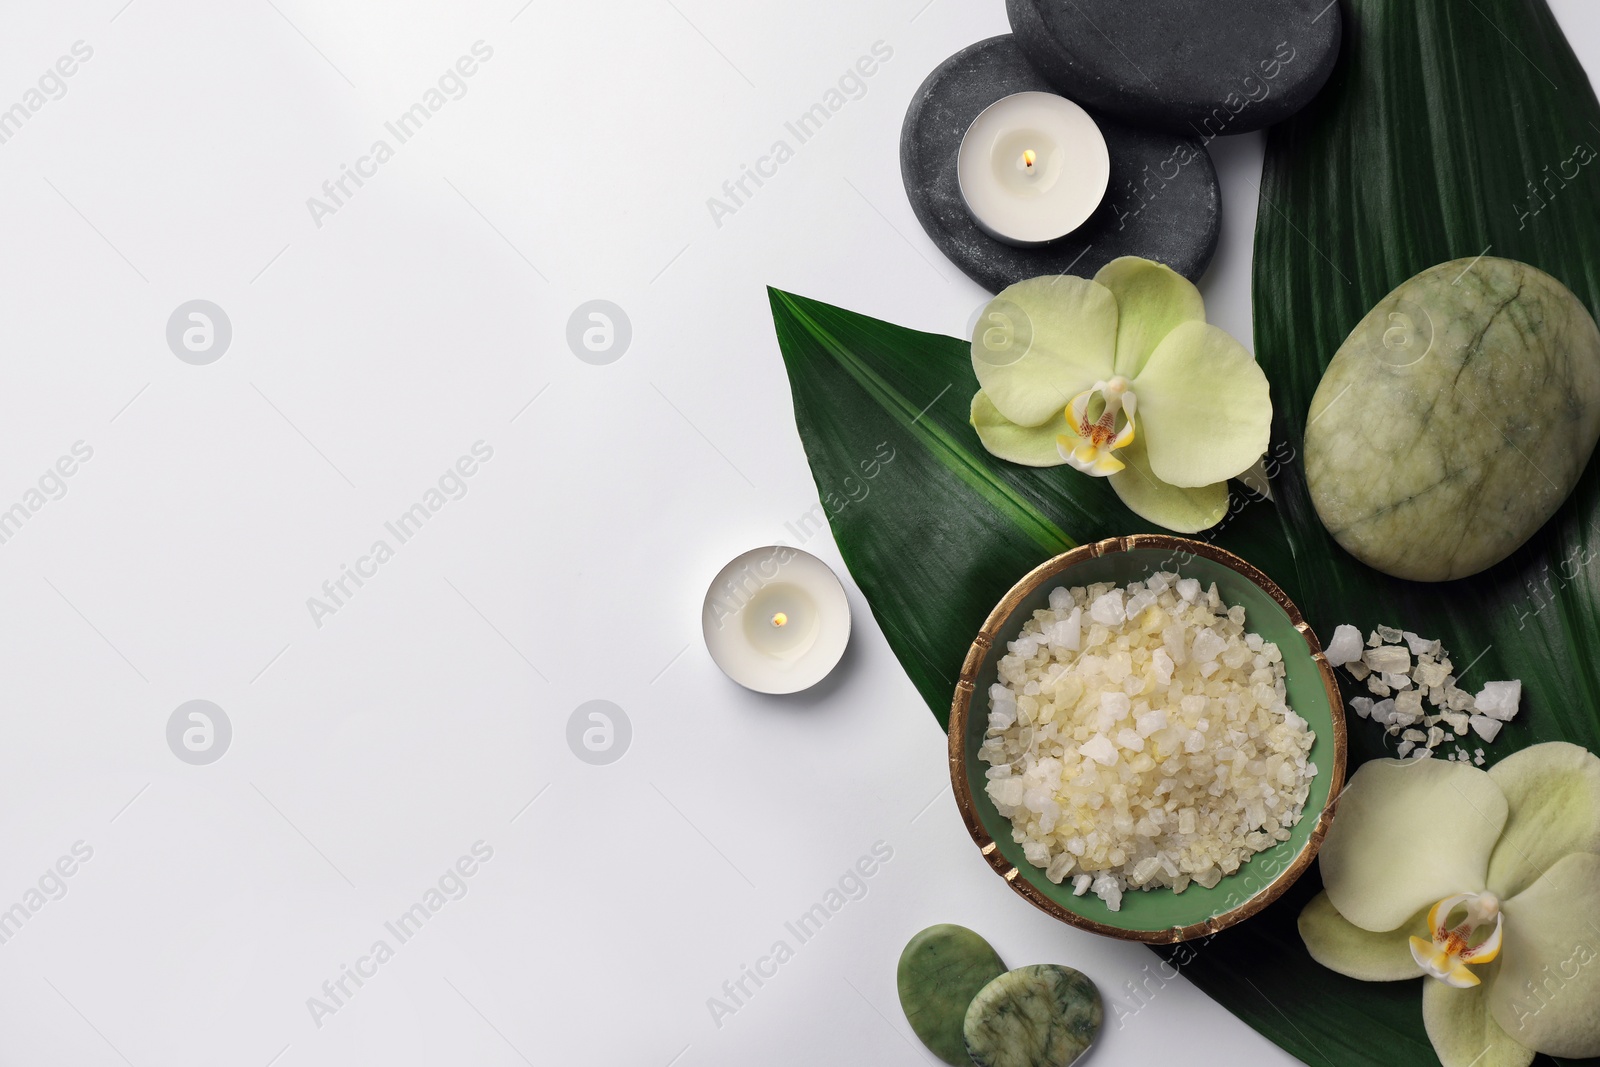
(1157, 751)
(1384, 663)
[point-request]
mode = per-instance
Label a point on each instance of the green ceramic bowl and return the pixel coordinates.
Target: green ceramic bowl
(1157, 915)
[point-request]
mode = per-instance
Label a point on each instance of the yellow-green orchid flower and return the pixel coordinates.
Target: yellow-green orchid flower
(1484, 883)
(1121, 377)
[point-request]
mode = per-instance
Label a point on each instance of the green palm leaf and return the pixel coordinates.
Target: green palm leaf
(1421, 150)
(936, 535)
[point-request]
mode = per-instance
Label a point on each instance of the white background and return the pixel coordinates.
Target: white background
(368, 354)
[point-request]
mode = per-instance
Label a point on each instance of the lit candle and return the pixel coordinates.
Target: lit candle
(776, 620)
(1033, 167)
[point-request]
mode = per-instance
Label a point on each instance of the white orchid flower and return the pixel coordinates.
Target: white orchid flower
(1484, 883)
(1121, 377)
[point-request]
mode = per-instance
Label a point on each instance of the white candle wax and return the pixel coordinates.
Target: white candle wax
(1033, 167)
(776, 620)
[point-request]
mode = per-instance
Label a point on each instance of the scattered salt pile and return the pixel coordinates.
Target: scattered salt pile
(1400, 686)
(1139, 737)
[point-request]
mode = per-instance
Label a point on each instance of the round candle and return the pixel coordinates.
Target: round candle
(776, 620)
(1032, 168)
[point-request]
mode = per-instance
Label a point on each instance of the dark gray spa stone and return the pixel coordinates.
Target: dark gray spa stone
(1163, 202)
(1189, 66)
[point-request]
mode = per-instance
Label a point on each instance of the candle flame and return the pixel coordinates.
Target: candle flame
(780, 619)
(1029, 158)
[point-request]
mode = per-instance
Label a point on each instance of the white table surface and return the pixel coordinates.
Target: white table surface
(426, 314)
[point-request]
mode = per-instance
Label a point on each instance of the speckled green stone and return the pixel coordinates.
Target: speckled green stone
(1039, 1016)
(941, 970)
(1455, 419)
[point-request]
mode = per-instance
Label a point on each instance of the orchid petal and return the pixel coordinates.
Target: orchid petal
(1031, 446)
(1548, 983)
(1205, 405)
(1041, 342)
(1554, 793)
(1187, 510)
(1340, 945)
(1407, 833)
(1152, 299)
(1464, 1033)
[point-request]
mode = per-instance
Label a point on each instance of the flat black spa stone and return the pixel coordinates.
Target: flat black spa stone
(1163, 202)
(1205, 67)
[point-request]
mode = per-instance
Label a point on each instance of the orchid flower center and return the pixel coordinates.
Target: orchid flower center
(1454, 925)
(1100, 421)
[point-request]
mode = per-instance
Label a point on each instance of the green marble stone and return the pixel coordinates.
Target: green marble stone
(940, 971)
(1039, 1016)
(1455, 419)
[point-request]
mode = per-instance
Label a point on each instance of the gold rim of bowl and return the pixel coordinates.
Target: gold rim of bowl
(960, 710)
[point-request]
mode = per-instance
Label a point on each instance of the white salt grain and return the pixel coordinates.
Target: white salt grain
(1485, 727)
(1107, 610)
(1499, 700)
(1345, 646)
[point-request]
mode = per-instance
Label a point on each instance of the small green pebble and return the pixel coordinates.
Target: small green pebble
(1038, 1016)
(941, 970)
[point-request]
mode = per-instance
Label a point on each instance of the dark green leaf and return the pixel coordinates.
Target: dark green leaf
(935, 536)
(1421, 150)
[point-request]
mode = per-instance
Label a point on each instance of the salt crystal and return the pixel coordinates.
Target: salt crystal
(1486, 727)
(1188, 589)
(1420, 646)
(1107, 889)
(1060, 598)
(1403, 748)
(1151, 721)
(1499, 700)
(1388, 659)
(1130, 740)
(1344, 646)
(1361, 705)
(1067, 633)
(1081, 883)
(1208, 645)
(1107, 610)
(1376, 687)
(1138, 604)
(1162, 664)
(1390, 635)
(1383, 712)
(1100, 749)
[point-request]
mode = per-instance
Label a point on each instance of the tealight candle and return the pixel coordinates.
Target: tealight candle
(1032, 168)
(776, 620)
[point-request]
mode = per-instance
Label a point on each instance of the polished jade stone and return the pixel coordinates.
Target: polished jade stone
(1039, 1016)
(1455, 419)
(941, 970)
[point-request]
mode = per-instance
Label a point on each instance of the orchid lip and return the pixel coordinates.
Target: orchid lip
(1091, 444)
(1449, 949)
